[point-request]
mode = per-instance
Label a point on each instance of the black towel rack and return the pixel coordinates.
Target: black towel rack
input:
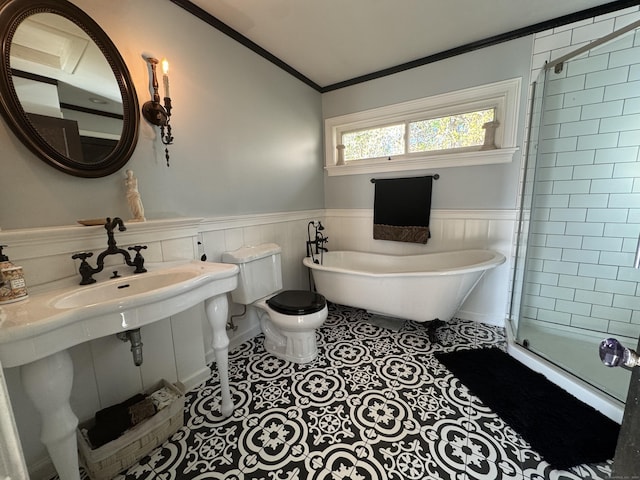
(435, 177)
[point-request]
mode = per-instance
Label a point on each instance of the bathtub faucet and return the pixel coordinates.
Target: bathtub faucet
(317, 245)
(321, 241)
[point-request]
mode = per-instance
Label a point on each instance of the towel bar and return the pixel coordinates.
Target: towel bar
(435, 177)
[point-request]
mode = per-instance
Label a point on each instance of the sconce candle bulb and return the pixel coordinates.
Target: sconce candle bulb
(165, 77)
(153, 111)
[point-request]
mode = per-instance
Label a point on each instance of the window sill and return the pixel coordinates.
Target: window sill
(462, 159)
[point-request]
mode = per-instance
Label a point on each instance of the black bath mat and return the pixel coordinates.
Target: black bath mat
(561, 428)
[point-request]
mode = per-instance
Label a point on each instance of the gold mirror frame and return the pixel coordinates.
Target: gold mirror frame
(12, 14)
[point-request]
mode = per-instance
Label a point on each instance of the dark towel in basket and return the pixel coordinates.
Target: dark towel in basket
(113, 421)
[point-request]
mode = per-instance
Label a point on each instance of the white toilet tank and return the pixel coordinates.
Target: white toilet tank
(260, 271)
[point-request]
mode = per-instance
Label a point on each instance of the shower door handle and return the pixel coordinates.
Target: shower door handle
(614, 354)
(636, 261)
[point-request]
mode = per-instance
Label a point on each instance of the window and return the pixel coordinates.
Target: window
(467, 127)
(453, 131)
(374, 142)
(464, 130)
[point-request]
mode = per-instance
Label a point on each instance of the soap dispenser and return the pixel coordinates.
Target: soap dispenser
(12, 284)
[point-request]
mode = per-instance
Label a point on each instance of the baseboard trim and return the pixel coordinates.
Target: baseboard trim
(235, 342)
(43, 469)
(196, 378)
(481, 318)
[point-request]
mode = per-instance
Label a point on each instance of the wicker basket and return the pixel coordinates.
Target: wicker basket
(105, 462)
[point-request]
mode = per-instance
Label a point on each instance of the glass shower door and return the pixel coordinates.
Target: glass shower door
(581, 213)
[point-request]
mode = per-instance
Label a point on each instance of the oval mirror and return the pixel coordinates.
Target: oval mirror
(65, 91)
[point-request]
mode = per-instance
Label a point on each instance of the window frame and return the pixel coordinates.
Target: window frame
(504, 96)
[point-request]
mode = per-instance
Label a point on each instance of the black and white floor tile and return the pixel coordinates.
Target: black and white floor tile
(374, 405)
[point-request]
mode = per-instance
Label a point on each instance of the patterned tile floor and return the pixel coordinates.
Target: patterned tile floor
(375, 405)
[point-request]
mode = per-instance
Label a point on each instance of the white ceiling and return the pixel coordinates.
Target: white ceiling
(330, 41)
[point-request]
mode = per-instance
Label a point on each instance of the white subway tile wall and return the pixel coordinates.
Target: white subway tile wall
(586, 219)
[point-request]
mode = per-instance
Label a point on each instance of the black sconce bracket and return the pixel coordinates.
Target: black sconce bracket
(155, 113)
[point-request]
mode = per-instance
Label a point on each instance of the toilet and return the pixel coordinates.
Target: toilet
(288, 318)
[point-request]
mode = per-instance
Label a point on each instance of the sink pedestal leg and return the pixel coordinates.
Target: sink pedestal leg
(217, 309)
(48, 383)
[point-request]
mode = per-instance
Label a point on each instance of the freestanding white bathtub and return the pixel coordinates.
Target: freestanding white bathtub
(415, 287)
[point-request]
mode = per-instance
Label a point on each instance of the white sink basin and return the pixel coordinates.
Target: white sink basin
(144, 283)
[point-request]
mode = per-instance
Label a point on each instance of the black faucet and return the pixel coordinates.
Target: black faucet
(318, 242)
(87, 271)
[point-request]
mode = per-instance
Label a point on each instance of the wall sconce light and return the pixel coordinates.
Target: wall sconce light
(153, 111)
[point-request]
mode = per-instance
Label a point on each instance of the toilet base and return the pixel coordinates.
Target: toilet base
(300, 347)
(290, 337)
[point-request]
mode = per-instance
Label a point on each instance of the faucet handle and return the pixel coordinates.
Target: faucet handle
(85, 269)
(82, 256)
(138, 260)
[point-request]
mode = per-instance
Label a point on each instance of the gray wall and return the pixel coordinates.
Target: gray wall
(248, 137)
(481, 187)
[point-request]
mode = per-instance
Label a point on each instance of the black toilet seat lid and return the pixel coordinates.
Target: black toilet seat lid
(297, 302)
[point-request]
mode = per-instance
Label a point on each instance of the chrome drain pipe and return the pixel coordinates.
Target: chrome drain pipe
(134, 337)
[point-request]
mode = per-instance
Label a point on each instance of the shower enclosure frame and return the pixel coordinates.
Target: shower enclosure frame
(520, 347)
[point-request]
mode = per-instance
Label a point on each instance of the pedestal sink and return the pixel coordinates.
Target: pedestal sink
(36, 333)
